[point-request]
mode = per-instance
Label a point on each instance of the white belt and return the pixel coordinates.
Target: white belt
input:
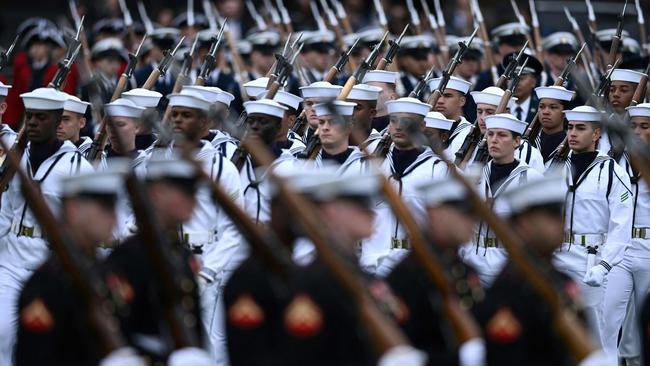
(641, 233)
(28, 231)
(198, 239)
(585, 240)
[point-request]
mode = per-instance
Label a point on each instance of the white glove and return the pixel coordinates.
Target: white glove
(190, 357)
(595, 276)
(403, 355)
(472, 353)
(598, 358)
(122, 357)
(394, 257)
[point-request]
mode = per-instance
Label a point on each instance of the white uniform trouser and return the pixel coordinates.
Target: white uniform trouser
(12, 280)
(627, 285)
(487, 262)
(573, 262)
(213, 313)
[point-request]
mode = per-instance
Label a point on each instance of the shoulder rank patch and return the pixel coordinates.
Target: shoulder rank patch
(35, 317)
(303, 318)
(625, 196)
(503, 327)
(120, 288)
(245, 313)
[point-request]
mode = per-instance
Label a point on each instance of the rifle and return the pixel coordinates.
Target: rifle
(392, 51)
(383, 333)
(97, 146)
(286, 19)
(148, 25)
(522, 21)
(566, 325)
(415, 17)
(449, 70)
(280, 61)
(283, 75)
(561, 153)
(128, 22)
(535, 126)
(7, 171)
(210, 59)
(340, 63)
(163, 66)
(642, 34)
(536, 33)
(641, 88)
(442, 25)
(84, 277)
(5, 55)
(489, 57)
(587, 58)
(478, 142)
(381, 15)
(616, 40)
(510, 69)
(343, 16)
(313, 145)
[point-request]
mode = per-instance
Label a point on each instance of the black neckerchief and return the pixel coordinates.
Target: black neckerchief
(580, 162)
(210, 136)
(499, 173)
(38, 153)
(550, 142)
(380, 123)
(453, 127)
(114, 154)
(402, 159)
(142, 142)
(339, 158)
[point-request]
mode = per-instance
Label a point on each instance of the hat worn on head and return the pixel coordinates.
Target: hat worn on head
(76, 105)
(437, 120)
(44, 99)
(212, 94)
(341, 108)
(510, 33)
(284, 98)
(583, 114)
(490, 95)
(454, 83)
(408, 105)
(320, 89)
(536, 193)
(325, 184)
(364, 92)
(533, 66)
(256, 87)
(505, 121)
(108, 182)
(555, 92)
(143, 97)
(170, 168)
(630, 76)
(4, 89)
(440, 191)
(109, 48)
(561, 43)
(189, 98)
(123, 107)
(639, 110)
(380, 76)
(265, 106)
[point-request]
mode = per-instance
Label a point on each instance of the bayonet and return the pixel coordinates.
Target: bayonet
(415, 17)
(261, 25)
(64, 66)
(572, 20)
(343, 16)
(419, 87)
(133, 60)
(168, 57)
(72, 4)
(148, 25)
(209, 14)
(190, 13)
(427, 11)
(319, 20)
(211, 58)
(5, 56)
(331, 18)
(381, 15)
(275, 17)
(128, 20)
(392, 50)
(440, 14)
(286, 19)
(510, 69)
(368, 62)
(591, 15)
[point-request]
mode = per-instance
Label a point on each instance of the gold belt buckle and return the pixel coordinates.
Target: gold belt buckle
(639, 233)
(490, 242)
(27, 231)
(399, 244)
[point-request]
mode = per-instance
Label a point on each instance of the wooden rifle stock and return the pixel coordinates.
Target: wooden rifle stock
(152, 79)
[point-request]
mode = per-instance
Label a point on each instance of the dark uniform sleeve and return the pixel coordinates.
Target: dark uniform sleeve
(421, 319)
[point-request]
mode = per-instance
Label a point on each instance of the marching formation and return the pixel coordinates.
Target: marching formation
(194, 195)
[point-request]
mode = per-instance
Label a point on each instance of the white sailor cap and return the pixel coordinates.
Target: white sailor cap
(284, 98)
(76, 105)
(454, 83)
(264, 38)
(372, 34)
(490, 95)
(311, 37)
(320, 89)
(510, 29)
(555, 92)
(630, 76)
(170, 168)
(408, 105)
(441, 191)
(438, 120)
(535, 193)
(606, 35)
(380, 76)
(564, 41)
(631, 45)
(244, 47)
(265, 106)
(639, 110)
(107, 182)
(212, 94)
(364, 92)
(44, 99)
(123, 107)
(505, 121)
(418, 41)
(189, 98)
(583, 113)
(256, 87)
(165, 32)
(109, 47)
(4, 89)
(143, 97)
(341, 108)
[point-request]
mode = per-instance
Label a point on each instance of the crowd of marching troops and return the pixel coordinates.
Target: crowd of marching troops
(171, 195)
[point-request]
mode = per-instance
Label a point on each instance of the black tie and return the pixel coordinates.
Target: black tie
(518, 110)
